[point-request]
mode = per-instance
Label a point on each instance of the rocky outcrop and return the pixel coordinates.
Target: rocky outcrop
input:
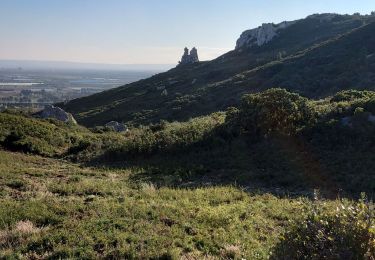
(116, 126)
(189, 58)
(261, 35)
(268, 31)
(57, 113)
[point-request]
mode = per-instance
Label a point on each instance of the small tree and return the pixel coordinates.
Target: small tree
(274, 111)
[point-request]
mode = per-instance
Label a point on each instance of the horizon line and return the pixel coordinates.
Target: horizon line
(82, 62)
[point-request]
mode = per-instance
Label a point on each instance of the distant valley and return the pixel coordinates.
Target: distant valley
(28, 87)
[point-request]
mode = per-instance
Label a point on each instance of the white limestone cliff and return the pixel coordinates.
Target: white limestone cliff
(261, 35)
(268, 31)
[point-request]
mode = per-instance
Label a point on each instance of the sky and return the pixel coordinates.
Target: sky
(142, 31)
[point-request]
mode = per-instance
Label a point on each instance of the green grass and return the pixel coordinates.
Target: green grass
(214, 187)
(237, 147)
(91, 213)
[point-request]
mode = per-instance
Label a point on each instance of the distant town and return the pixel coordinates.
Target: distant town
(26, 88)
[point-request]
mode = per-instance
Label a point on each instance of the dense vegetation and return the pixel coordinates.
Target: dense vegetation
(344, 62)
(235, 184)
(274, 139)
(31, 135)
(51, 138)
(344, 233)
(285, 140)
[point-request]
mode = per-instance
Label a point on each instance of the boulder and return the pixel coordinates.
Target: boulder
(116, 126)
(164, 93)
(57, 113)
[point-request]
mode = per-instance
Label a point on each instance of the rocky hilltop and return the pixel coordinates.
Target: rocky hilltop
(268, 31)
(310, 56)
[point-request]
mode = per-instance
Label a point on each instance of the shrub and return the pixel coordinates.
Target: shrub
(347, 233)
(274, 111)
(168, 137)
(21, 133)
(232, 124)
(350, 95)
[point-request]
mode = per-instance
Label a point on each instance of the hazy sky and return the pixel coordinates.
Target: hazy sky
(142, 31)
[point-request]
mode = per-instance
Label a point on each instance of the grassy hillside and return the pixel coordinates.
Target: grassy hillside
(50, 209)
(22, 133)
(260, 181)
(51, 138)
(347, 61)
(296, 145)
(206, 87)
(252, 149)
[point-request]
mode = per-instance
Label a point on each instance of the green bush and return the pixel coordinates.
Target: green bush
(347, 233)
(18, 132)
(274, 111)
(167, 137)
(351, 95)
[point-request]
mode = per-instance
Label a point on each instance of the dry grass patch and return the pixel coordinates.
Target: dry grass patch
(18, 234)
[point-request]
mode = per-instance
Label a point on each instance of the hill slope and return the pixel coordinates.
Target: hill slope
(71, 212)
(196, 189)
(326, 144)
(198, 89)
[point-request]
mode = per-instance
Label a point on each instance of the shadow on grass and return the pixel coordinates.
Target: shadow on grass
(288, 167)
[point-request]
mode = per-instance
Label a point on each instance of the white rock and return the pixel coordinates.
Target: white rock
(57, 113)
(116, 126)
(268, 31)
(261, 35)
(164, 93)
